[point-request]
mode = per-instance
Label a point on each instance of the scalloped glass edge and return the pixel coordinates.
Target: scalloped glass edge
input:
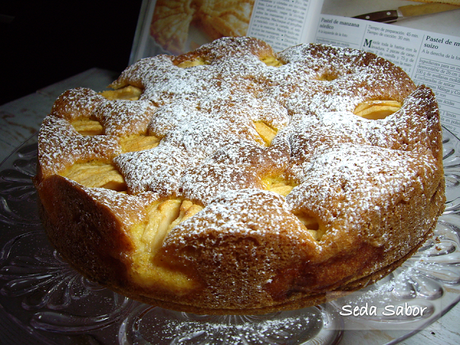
(126, 317)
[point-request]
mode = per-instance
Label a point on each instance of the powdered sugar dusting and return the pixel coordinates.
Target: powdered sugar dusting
(252, 209)
(157, 170)
(209, 144)
(60, 145)
(123, 117)
(353, 182)
(76, 103)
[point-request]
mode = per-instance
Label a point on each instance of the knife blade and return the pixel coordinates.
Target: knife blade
(391, 16)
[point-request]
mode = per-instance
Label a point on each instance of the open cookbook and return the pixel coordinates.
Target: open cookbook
(430, 58)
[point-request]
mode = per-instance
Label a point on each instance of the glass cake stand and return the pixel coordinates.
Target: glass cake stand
(44, 301)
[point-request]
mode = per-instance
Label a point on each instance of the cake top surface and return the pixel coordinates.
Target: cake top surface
(204, 108)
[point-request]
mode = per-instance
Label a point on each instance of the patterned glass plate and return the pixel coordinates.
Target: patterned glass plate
(44, 301)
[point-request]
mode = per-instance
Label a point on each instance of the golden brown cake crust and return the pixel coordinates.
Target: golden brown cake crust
(233, 180)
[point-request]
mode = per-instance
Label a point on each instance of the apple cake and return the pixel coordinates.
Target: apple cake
(236, 180)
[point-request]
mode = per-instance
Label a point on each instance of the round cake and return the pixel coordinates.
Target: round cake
(236, 180)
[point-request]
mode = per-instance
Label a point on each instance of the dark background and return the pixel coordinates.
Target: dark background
(43, 42)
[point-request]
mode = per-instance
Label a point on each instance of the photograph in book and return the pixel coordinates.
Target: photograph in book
(179, 26)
